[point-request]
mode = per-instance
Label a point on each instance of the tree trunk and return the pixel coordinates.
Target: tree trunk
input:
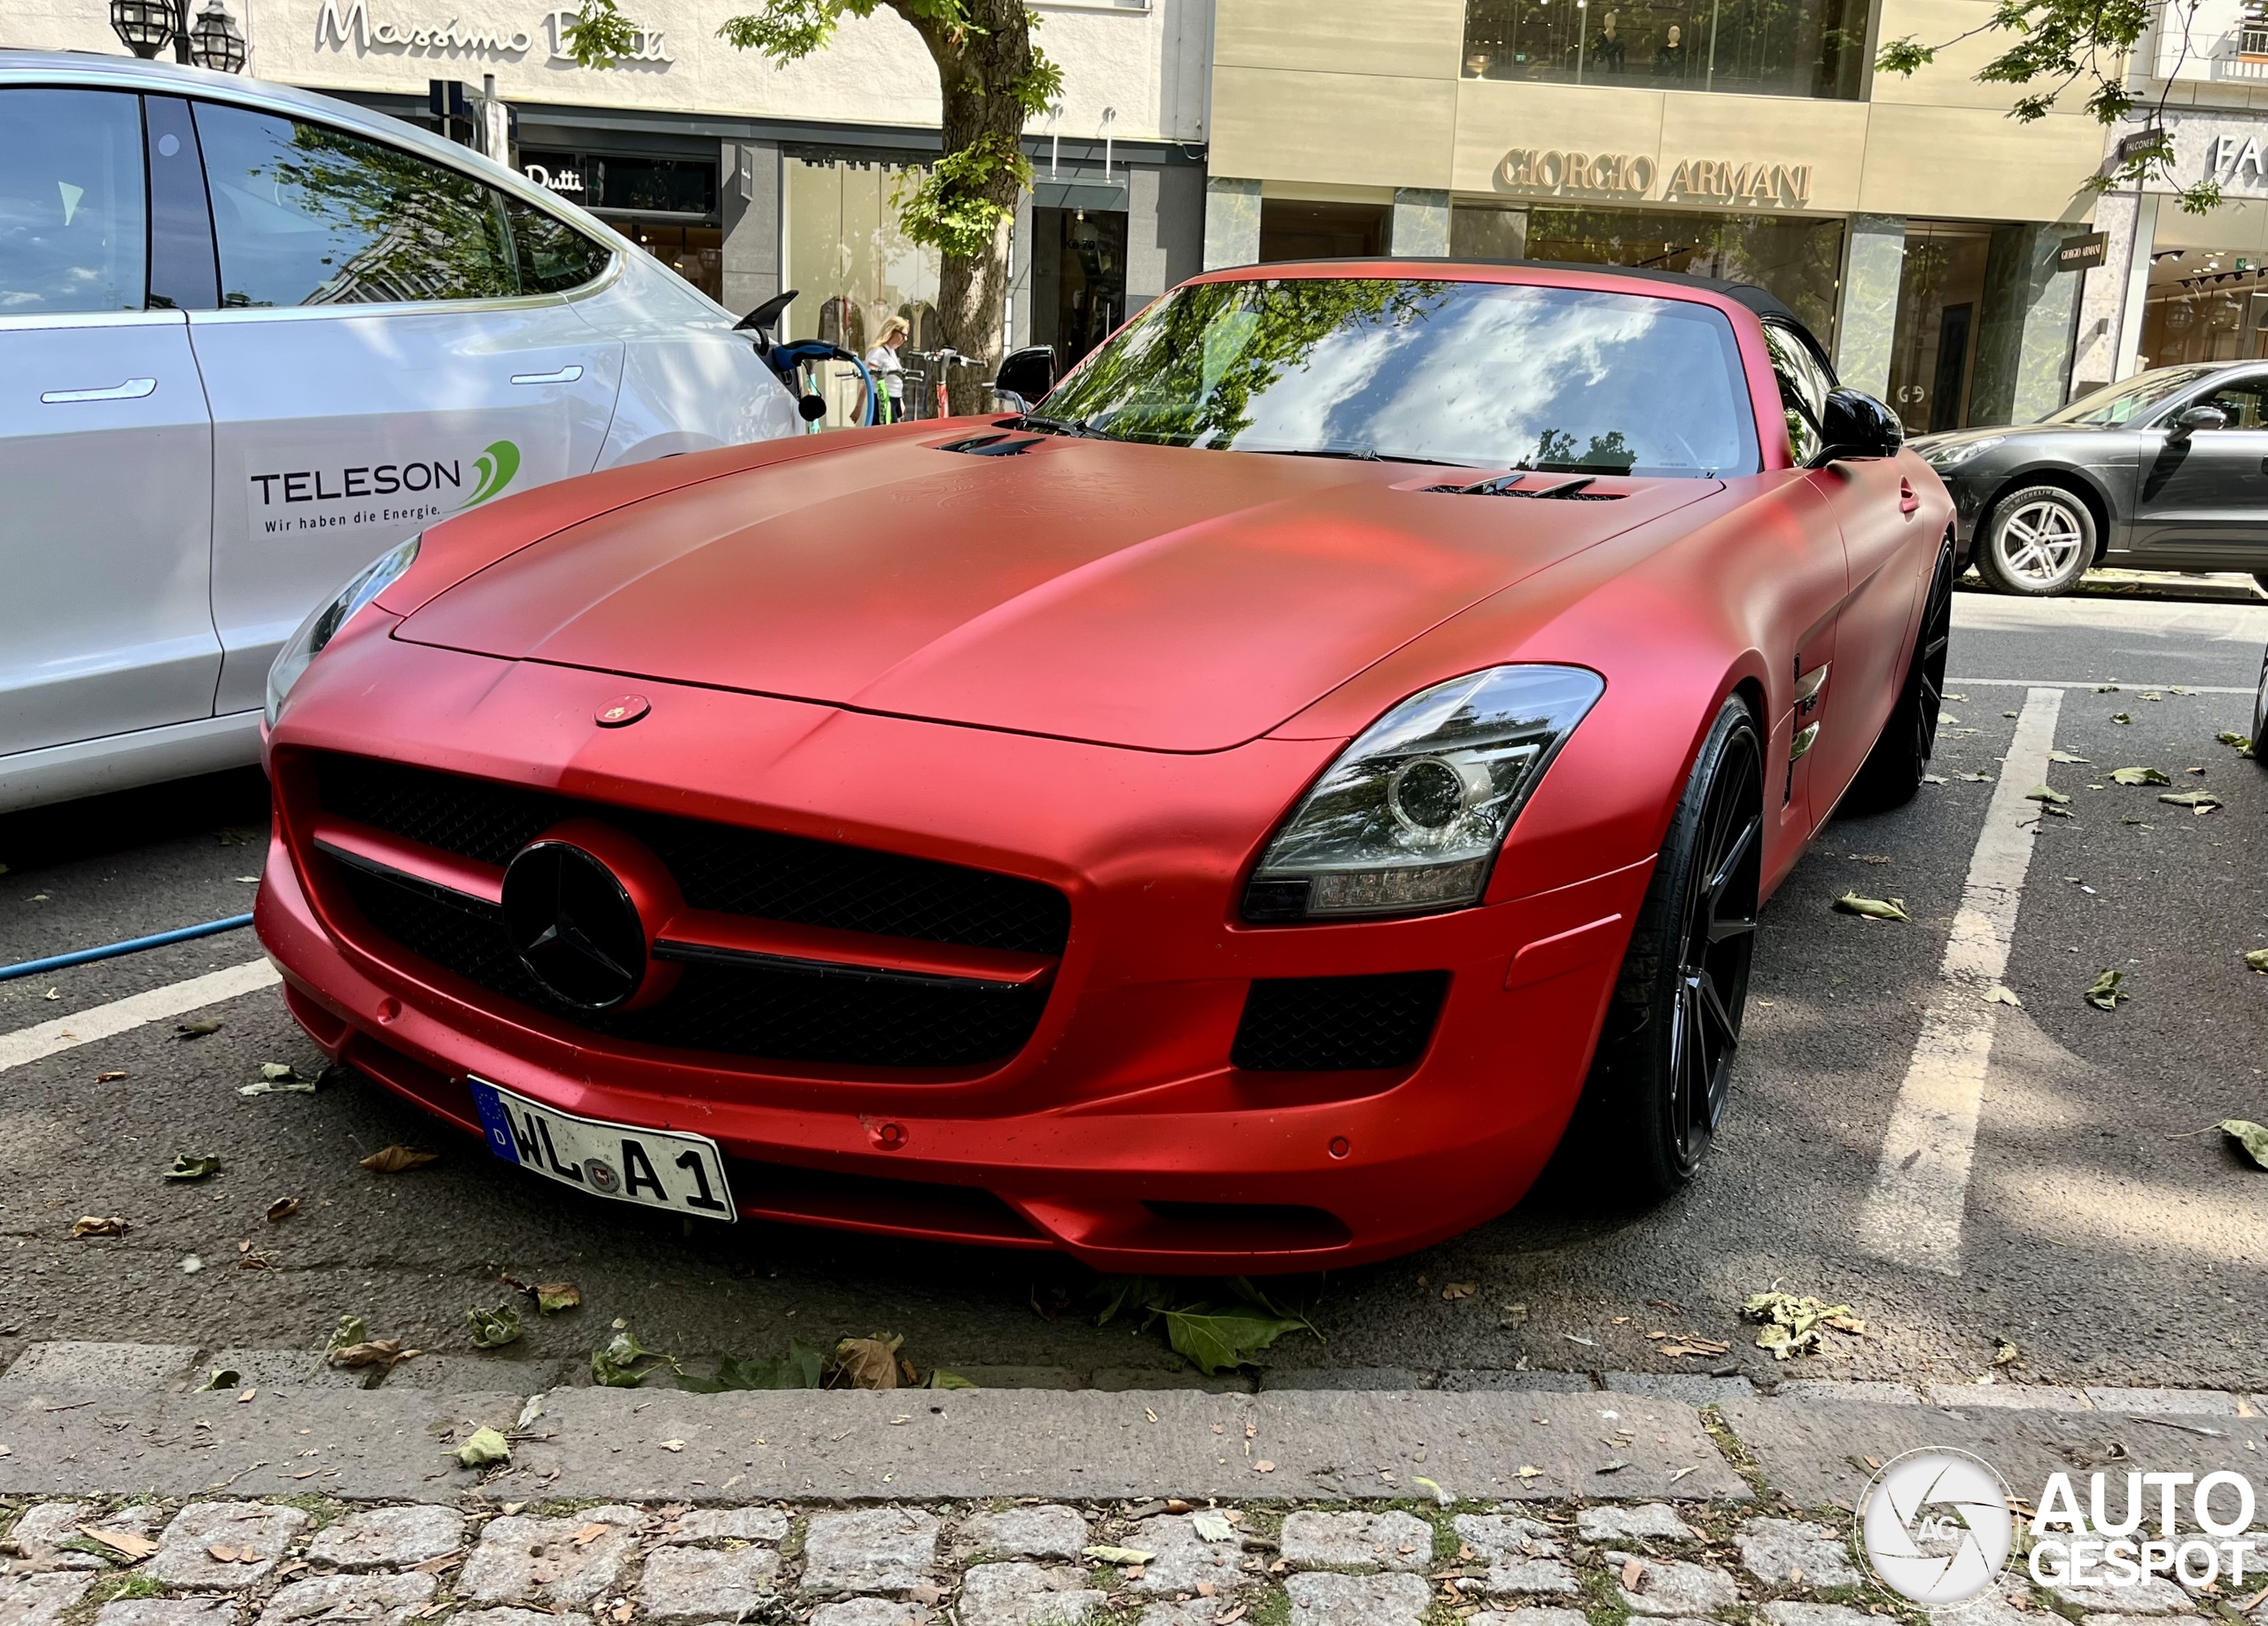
(978, 72)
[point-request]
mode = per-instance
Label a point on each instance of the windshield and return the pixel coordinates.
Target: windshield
(1488, 375)
(2122, 403)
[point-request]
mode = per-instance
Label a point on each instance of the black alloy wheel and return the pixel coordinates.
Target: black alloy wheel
(1893, 771)
(1664, 1069)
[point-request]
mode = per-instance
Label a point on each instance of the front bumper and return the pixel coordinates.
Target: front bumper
(1120, 1132)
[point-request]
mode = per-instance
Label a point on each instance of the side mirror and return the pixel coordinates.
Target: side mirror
(2195, 419)
(1858, 425)
(1008, 401)
(766, 315)
(811, 408)
(1029, 372)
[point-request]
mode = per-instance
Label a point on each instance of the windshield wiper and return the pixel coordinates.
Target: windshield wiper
(1358, 454)
(1078, 426)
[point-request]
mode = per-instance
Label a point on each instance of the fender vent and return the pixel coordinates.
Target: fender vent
(1508, 485)
(992, 446)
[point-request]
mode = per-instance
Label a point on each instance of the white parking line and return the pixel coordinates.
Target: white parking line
(2194, 688)
(136, 1011)
(1914, 1213)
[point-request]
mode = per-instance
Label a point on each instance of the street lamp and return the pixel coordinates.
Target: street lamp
(214, 42)
(145, 26)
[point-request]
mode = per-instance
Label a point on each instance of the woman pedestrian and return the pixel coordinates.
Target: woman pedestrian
(888, 372)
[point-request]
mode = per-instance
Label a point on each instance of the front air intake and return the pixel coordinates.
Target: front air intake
(1329, 1024)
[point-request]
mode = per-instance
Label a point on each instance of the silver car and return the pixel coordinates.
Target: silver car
(251, 337)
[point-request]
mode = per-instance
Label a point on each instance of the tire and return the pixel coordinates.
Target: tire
(2260, 715)
(1893, 771)
(2036, 542)
(2262, 578)
(1657, 1085)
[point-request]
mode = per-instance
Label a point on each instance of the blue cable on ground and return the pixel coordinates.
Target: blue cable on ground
(132, 945)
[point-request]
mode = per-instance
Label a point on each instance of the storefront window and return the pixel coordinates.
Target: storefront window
(1811, 48)
(1795, 257)
(1940, 301)
(2204, 305)
(637, 196)
(695, 252)
(851, 265)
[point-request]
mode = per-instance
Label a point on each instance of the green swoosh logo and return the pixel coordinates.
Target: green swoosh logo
(496, 466)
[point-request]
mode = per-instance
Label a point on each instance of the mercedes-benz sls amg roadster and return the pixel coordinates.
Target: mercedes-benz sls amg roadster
(1239, 814)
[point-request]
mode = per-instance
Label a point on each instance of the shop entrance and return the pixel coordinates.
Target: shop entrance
(1293, 229)
(1078, 280)
(1940, 297)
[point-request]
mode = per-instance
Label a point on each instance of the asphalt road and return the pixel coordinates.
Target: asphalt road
(2103, 1239)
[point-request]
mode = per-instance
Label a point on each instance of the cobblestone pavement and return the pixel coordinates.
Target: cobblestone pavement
(316, 1562)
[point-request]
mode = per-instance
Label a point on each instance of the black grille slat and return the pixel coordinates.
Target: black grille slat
(776, 1014)
(721, 867)
(1338, 1023)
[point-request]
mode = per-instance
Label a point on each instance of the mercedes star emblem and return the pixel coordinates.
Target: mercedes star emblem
(573, 925)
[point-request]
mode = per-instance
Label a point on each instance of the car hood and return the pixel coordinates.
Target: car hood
(1137, 596)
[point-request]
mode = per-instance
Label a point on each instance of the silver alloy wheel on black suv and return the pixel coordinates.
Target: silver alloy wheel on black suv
(2037, 542)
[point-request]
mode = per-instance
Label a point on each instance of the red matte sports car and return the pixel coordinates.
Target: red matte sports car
(1236, 816)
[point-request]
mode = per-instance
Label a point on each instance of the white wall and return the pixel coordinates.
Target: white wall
(1145, 58)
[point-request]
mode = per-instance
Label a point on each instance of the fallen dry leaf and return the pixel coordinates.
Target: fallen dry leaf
(373, 1352)
(395, 1159)
(868, 1362)
(111, 1078)
(1634, 1571)
(282, 1208)
(1459, 1290)
(131, 1545)
(96, 1225)
(588, 1534)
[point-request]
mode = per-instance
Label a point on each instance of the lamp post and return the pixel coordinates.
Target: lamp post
(147, 27)
(214, 42)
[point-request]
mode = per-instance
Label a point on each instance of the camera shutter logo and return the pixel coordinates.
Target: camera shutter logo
(1935, 1526)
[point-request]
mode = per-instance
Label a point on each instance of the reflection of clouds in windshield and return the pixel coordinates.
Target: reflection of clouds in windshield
(1486, 374)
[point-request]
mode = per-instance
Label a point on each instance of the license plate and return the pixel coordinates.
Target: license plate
(656, 1168)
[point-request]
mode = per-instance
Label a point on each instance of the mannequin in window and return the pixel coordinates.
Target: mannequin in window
(1669, 56)
(1607, 50)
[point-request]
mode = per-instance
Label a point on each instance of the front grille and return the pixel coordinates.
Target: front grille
(1338, 1023)
(778, 1015)
(717, 866)
(774, 1012)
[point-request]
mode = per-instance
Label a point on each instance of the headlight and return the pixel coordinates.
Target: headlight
(1412, 815)
(323, 626)
(1953, 456)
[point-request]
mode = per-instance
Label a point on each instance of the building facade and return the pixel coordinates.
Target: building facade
(1913, 225)
(749, 178)
(2178, 286)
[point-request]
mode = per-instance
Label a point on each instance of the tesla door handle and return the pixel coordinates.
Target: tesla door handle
(132, 389)
(1906, 500)
(565, 375)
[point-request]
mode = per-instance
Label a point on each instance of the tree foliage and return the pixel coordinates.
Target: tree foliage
(2066, 45)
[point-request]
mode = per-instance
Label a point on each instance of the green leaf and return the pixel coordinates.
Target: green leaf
(1218, 1341)
(1118, 1293)
(350, 1331)
(2105, 994)
(947, 1379)
(187, 1168)
(2063, 755)
(2241, 743)
(483, 1446)
(551, 1297)
(2248, 1135)
(2257, 958)
(619, 1365)
(2140, 776)
(2047, 793)
(803, 1366)
(599, 35)
(493, 1329)
(2191, 799)
(1873, 909)
(1128, 1556)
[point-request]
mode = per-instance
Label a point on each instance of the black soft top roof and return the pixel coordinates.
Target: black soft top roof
(1762, 301)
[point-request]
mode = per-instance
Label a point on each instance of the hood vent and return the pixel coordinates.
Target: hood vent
(992, 446)
(1508, 485)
